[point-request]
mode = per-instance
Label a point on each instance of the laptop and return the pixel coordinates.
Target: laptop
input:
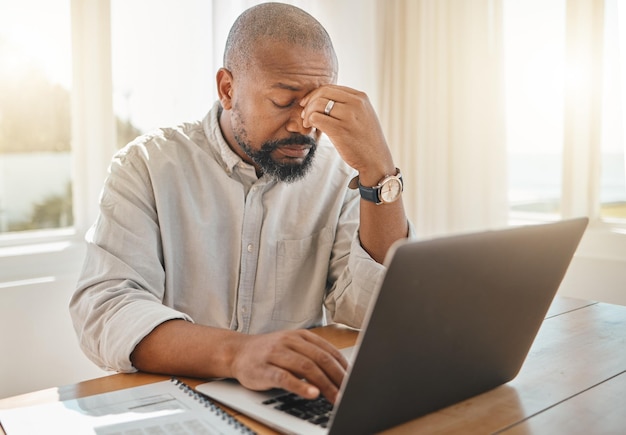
(453, 318)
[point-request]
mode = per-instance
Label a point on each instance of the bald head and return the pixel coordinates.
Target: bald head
(276, 22)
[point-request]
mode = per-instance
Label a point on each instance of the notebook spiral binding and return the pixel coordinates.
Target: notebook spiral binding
(238, 427)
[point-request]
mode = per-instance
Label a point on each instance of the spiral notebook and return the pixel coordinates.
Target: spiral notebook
(161, 407)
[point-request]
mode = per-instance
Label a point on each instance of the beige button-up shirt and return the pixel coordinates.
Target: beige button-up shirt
(187, 230)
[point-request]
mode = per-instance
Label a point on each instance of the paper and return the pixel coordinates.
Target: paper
(158, 408)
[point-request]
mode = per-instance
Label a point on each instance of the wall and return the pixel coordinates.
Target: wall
(598, 279)
(37, 340)
(598, 270)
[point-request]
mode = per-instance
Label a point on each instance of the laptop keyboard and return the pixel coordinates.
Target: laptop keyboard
(316, 411)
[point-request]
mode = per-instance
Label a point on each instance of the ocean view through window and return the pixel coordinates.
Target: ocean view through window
(549, 72)
(35, 129)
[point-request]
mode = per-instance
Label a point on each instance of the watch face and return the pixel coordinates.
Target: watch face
(390, 190)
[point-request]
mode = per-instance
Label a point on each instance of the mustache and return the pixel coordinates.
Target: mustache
(297, 139)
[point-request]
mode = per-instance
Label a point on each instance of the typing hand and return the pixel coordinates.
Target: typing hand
(297, 361)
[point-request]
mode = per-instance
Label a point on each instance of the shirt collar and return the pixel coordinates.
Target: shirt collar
(213, 132)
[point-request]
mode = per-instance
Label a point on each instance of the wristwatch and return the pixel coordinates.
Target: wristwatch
(386, 191)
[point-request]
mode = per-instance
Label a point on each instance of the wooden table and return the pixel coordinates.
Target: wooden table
(573, 381)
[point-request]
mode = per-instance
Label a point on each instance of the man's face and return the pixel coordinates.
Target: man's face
(265, 114)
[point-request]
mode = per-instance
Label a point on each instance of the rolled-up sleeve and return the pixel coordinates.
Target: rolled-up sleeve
(118, 300)
(352, 293)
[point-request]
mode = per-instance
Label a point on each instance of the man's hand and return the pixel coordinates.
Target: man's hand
(297, 361)
(352, 126)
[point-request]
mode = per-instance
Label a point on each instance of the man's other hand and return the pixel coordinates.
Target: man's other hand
(297, 361)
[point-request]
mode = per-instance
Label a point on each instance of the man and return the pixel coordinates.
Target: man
(219, 242)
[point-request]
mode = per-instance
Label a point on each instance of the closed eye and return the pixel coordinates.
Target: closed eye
(284, 106)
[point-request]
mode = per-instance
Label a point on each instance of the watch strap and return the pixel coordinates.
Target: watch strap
(370, 193)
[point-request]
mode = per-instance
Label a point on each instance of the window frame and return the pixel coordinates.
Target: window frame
(59, 251)
(605, 238)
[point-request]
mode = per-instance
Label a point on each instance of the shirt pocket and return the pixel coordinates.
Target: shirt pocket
(301, 278)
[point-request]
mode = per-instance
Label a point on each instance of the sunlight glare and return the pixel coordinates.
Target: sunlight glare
(36, 34)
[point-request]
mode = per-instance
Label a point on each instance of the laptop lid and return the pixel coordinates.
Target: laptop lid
(454, 317)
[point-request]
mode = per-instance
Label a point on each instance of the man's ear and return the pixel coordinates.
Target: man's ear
(225, 88)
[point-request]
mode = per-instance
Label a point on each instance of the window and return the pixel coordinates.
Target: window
(162, 66)
(551, 173)
(35, 130)
(534, 103)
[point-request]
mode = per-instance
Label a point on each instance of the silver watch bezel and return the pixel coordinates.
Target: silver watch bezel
(397, 178)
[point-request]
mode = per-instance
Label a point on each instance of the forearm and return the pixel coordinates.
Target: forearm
(381, 225)
(283, 359)
(178, 347)
(355, 131)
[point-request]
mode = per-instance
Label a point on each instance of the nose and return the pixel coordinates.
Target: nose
(294, 123)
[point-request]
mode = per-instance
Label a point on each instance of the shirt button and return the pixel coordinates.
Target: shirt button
(250, 247)
(243, 309)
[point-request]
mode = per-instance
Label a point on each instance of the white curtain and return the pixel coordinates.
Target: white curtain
(584, 30)
(442, 107)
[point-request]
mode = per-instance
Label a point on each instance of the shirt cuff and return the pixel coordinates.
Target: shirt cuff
(129, 326)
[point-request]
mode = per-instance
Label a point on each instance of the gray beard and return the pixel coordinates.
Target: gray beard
(285, 172)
